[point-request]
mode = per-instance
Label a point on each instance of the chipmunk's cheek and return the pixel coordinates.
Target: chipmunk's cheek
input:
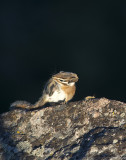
(71, 83)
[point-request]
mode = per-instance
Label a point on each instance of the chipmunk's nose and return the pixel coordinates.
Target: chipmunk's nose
(74, 79)
(77, 77)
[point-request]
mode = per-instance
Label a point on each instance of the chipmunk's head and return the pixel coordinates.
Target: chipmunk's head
(66, 78)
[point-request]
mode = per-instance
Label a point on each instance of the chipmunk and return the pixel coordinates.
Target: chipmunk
(59, 88)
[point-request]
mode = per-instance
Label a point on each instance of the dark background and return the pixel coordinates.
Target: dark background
(39, 39)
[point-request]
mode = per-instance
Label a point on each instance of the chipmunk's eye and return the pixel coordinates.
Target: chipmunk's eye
(61, 80)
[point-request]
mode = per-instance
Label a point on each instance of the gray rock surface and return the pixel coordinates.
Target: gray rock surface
(94, 129)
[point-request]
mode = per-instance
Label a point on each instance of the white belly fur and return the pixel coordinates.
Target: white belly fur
(57, 96)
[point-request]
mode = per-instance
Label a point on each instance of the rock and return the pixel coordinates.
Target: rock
(93, 129)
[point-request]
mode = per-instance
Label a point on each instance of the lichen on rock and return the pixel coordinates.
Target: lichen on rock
(87, 129)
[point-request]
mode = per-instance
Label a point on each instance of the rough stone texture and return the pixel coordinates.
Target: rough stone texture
(94, 129)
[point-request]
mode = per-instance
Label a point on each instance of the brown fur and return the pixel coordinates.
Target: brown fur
(69, 91)
(57, 82)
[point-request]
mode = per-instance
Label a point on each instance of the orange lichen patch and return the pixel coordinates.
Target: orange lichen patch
(18, 132)
(89, 97)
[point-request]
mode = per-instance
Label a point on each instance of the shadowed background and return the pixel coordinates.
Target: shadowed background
(39, 39)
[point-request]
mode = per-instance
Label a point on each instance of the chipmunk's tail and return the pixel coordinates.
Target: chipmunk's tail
(20, 104)
(42, 100)
(27, 105)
